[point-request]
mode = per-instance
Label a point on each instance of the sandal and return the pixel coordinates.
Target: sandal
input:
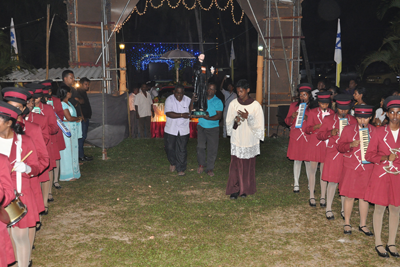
(323, 205)
(46, 211)
(347, 232)
(57, 185)
(296, 189)
(50, 199)
(312, 204)
(38, 226)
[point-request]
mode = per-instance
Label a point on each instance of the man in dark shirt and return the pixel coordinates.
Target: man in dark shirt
(76, 100)
(87, 114)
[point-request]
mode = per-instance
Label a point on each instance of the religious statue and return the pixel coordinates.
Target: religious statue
(201, 76)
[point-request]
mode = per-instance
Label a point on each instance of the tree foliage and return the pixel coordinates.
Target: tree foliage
(389, 52)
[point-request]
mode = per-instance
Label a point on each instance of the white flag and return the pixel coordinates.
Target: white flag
(232, 56)
(13, 38)
(338, 45)
(338, 54)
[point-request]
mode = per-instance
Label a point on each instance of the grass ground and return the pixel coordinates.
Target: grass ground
(131, 211)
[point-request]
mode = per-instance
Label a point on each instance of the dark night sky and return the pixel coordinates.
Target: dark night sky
(362, 32)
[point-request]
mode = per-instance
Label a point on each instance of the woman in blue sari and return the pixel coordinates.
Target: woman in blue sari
(69, 163)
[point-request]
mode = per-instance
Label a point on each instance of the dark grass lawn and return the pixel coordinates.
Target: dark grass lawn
(132, 211)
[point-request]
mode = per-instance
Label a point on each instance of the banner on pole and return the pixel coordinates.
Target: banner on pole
(13, 38)
(338, 54)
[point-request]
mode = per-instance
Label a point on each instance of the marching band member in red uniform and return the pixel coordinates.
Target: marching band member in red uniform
(330, 132)
(55, 102)
(355, 174)
(52, 148)
(7, 256)
(298, 140)
(384, 185)
(317, 149)
(18, 98)
(11, 137)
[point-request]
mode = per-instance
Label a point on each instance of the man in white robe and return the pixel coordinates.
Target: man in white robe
(245, 125)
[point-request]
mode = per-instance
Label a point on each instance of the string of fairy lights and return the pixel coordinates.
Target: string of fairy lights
(183, 2)
(141, 55)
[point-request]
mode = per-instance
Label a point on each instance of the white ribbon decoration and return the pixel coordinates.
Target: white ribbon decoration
(18, 159)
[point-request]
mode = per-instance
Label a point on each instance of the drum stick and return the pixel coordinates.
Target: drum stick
(27, 155)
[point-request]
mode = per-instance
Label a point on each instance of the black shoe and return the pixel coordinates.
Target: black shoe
(323, 205)
(30, 263)
(88, 158)
(380, 254)
(394, 254)
(312, 204)
(329, 217)
(296, 189)
(342, 214)
(369, 233)
(38, 226)
(45, 212)
(243, 195)
(50, 199)
(234, 195)
(82, 160)
(57, 185)
(347, 232)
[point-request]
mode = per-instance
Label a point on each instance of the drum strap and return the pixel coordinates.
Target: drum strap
(18, 159)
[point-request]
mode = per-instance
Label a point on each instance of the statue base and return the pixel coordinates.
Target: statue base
(198, 114)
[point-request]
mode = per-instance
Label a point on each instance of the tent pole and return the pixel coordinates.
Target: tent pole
(129, 114)
(109, 38)
(47, 40)
(104, 157)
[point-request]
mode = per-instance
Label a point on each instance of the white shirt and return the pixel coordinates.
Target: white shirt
(178, 125)
(245, 140)
(144, 104)
(131, 101)
(380, 114)
(314, 93)
(5, 146)
(153, 92)
(395, 134)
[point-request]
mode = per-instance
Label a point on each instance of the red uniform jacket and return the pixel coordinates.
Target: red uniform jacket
(333, 159)
(383, 188)
(352, 155)
(48, 112)
(317, 148)
(33, 130)
(44, 125)
(27, 196)
(298, 140)
(57, 107)
(6, 196)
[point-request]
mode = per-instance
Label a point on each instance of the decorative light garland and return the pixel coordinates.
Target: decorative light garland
(141, 55)
(213, 2)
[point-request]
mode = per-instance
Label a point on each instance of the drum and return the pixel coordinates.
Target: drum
(16, 211)
(4, 218)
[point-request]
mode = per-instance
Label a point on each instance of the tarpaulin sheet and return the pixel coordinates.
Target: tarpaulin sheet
(116, 120)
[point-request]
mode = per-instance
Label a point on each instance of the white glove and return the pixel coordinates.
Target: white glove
(22, 167)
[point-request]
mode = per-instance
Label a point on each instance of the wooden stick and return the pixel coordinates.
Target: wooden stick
(27, 155)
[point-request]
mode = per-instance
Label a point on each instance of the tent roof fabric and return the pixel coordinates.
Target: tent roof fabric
(93, 73)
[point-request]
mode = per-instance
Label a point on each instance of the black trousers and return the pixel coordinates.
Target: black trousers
(175, 147)
(207, 138)
(144, 127)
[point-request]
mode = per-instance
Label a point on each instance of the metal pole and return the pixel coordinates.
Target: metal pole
(116, 24)
(102, 95)
(283, 44)
(269, 68)
(47, 40)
